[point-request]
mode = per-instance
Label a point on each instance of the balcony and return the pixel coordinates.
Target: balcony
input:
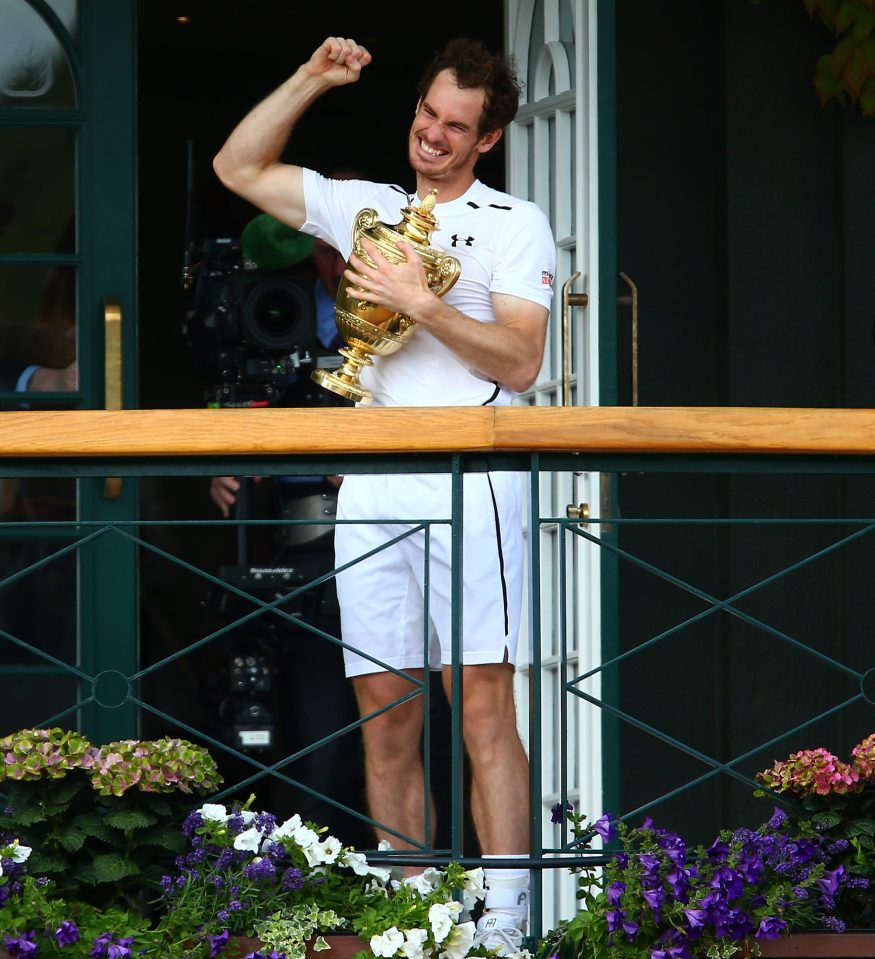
(677, 642)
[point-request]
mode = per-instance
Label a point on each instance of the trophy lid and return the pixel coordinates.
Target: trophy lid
(418, 224)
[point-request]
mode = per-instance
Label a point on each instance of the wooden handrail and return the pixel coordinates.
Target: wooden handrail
(235, 432)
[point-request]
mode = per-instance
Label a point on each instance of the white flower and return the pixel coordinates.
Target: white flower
(442, 915)
(247, 815)
(331, 849)
(358, 862)
(458, 942)
(215, 812)
(249, 840)
(424, 882)
(19, 852)
(320, 853)
(384, 845)
(305, 837)
(287, 829)
(412, 948)
(473, 889)
(388, 944)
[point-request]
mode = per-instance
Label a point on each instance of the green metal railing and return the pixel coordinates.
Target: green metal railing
(624, 543)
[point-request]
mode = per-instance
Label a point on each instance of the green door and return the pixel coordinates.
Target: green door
(67, 341)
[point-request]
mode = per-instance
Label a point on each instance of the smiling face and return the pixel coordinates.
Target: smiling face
(445, 142)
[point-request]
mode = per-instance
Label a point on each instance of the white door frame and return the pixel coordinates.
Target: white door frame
(552, 159)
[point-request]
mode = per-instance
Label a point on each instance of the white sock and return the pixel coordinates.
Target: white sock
(507, 892)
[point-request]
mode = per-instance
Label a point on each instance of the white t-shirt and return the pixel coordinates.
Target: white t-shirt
(504, 245)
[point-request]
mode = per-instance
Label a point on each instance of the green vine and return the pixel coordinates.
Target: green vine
(847, 73)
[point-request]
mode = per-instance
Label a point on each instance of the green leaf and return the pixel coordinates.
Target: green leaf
(841, 54)
(825, 81)
(863, 25)
(129, 819)
(42, 861)
(92, 824)
(110, 868)
(827, 819)
(71, 838)
(846, 15)
(165, 837)
(856, 72)
(862, 827)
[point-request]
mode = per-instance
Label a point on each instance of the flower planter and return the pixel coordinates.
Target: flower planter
(343, 946)
(820, 945)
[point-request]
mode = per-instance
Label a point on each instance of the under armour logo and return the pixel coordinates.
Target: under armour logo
(467, 240)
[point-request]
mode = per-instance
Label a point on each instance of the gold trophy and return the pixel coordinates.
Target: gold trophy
(370, 329)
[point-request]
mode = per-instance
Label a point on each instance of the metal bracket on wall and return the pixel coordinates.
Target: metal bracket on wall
(631, 299)
(112, 375)
(569, 299)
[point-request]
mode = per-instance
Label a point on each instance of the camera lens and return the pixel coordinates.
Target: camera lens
(276, 315)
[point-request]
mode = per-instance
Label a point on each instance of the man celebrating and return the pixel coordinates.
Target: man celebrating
(480, 344)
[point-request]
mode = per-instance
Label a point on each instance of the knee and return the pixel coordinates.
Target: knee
(393, 728)
(488, 708)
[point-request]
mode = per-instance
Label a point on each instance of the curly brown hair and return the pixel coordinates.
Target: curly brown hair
(476, 67)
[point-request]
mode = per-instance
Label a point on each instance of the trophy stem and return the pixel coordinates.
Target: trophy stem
(344, 381)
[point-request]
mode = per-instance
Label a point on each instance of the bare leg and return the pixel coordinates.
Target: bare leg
(393, 764)
(499, 766)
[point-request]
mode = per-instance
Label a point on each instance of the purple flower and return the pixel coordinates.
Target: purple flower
(260, 870)
(605, 828)
(24, 945)
(615, 892)
(779, 817)
(292, 880)
(99, 945)
(678, 882)
(218, 943)
(829, 883)
(718, 850)
(557, 813)
(695, 918)
(120, 949)
(192, 822)
(653, 898)
(834, 923)
(770, 928)
(67, 933)
(615, 918)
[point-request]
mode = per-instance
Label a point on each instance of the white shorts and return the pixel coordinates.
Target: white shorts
(386, 609)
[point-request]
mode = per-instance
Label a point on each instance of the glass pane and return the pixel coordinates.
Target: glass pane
(38, 329)
(34, 72)
(37, 190)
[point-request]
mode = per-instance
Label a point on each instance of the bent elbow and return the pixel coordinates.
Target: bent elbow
(224, 170)
(524, 379)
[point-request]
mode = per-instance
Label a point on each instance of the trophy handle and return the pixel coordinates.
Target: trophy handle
(448, 271)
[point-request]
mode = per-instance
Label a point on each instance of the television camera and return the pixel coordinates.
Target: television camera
(253, 330)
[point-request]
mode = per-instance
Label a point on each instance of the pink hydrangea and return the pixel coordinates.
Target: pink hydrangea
(864, 757)
(811, 772)
(42, 753)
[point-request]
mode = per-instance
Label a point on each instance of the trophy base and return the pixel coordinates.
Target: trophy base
(343, 384)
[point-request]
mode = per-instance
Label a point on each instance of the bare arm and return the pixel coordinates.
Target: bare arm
(249, 164)
(509, 351)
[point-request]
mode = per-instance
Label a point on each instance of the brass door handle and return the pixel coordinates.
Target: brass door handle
(569, 299)
(580, 512)
(631, 299)
(112, 375)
